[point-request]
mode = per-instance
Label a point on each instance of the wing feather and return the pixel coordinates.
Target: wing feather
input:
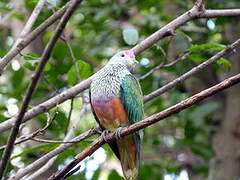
(132, 99)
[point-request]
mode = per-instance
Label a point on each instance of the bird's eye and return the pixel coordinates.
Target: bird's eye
(122, 55)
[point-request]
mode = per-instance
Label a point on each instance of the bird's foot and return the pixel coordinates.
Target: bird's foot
(117, 133)
(104, 134)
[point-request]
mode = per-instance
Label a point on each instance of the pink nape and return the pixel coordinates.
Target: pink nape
(130, 53)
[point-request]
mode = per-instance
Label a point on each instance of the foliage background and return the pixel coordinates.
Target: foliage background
(183, 145)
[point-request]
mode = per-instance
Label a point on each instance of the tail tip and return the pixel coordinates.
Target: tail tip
(131, 174)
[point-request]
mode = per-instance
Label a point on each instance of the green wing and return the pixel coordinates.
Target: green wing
(132, 99)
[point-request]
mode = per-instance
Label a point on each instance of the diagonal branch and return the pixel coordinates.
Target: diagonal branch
(147, 122)
(33, 84)
(41, 161)
(30, 37)
(50, 162)
(160, 66)
(25, 138)
(36, 164)
(45, 106)
(27, 28)
(228, 50)
(75, 90)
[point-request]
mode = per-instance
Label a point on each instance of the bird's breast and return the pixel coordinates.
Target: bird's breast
(110, 112)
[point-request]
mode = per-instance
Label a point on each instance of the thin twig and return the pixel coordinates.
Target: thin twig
(52, 141)
(147, 122)
(28, 26)
(71, 172)
(75, 90)
(43, 107)
(160, 66)
(38, 163)
(66, 41)
(69, 115)
(49, 160)
(228, 50)
(25, 138)
(31, 36)
(33, 84)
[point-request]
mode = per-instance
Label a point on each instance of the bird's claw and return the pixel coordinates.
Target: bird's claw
(104, 134)
(117, 133)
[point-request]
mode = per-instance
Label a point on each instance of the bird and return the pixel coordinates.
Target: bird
(116, 100)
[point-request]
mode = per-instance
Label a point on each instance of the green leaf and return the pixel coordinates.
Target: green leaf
(84, 69)
(48, 67)
(197, 57)
(30, 57)
(18, 16)
(224, 62)
(208, 46)
(17, 78)
(130, 36)
(30, 66)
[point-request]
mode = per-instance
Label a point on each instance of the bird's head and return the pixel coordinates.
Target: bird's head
(125, 57)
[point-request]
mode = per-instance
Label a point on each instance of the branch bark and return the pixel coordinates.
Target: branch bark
(27, 28)
(147, 122)
(193, 71)
(45, 56)
(41, 161)
(198, 68)
(30, 37)
(50, 162)
(184, 56)
(45, 106)
(161, 33)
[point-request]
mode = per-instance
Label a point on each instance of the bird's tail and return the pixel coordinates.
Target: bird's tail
(129, 150)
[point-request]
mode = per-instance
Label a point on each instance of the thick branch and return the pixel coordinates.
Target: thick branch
(147, 122)
(220, 13)
(45, 106)
(33, 84)
(41, 161)
(70, 93)
(30, 37)
(224, 52)
(193, 71)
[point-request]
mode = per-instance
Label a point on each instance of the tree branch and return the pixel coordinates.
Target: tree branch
(147, 122)
(41, 161)
(30, 37)
(25, 138)
(227, 50)
(193, 71)
(50, 162)
(73, 91)
(184, 56)
(45, 106)
(220, 13)
(45, 56)
(27, 28)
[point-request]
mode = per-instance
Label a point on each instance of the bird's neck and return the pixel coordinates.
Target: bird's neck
(106, 82)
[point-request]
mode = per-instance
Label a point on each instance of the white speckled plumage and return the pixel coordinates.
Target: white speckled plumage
(106, 82)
